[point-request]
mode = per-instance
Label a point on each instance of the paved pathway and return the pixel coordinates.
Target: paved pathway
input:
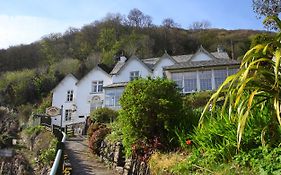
(82, 161)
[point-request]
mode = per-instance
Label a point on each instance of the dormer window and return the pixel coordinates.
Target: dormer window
(97, 86)
(134, 75)
(69, 95)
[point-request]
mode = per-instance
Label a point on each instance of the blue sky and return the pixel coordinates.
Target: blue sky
(25, 21)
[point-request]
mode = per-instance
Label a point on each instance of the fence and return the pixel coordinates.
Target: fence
(57, 167)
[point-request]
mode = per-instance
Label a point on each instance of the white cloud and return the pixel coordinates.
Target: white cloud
(15, 30)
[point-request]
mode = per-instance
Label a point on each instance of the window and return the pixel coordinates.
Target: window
(232, 71)
(177, 78)
(190, 81)
(220, 76)
(69, 95)
(67, 116)
(112, 97)
(205, 80)
(97, 86)
(134, 75)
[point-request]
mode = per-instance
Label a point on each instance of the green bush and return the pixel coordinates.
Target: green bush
(263, 160)
(34, 130)
(217, 138)
(47, 155)
(45, 103)
(196, 100)
(103, 115)
(151, 109)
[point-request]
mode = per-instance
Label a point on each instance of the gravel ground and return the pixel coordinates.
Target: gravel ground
(83, 162)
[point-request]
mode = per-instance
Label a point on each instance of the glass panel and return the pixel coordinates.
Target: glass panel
(100, 86)
(134, 75)
(94, 86)
(112, 97)
(190, 81)
(205, 80)
(177, 77)
(220, 76)
(232, 71)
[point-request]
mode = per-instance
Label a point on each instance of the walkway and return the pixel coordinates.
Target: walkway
(83, 162)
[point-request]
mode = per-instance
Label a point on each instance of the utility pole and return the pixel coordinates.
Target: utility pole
(61, 114)
(232, 49)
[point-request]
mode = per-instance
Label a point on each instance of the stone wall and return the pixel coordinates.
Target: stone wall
(112, 154)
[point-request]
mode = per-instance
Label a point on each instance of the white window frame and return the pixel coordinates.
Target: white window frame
(69, 96)
(97, 86)
(134, 75)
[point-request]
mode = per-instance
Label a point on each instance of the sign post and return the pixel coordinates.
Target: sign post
(54, 111)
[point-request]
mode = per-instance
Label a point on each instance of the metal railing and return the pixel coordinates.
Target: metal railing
(57, 165)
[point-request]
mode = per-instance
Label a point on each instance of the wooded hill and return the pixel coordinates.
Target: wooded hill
(47, 61)
(116, 34)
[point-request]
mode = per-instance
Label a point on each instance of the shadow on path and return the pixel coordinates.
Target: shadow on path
(83, 162)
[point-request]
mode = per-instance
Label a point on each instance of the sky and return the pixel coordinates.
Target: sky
(27, 21)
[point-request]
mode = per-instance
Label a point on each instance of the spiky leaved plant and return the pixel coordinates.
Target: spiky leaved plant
(256, 84)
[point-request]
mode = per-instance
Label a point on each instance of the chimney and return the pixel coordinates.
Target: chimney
(122, 59)
(220, 49)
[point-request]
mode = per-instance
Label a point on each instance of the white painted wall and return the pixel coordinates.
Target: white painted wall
(158, 69)
(60, 98)
(201, 57)
(84, 91)
(132, 65)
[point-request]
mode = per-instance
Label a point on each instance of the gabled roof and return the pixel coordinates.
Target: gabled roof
(120, 65)
(152, 62)
(64, 79)
(182, 58)
(202, 50)
(98, 67)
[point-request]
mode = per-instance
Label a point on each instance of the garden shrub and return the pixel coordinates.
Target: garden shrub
(197, 100)
(47, 155)
(217, 138)
(151, 109)
(45, 103)
(34, 130)
(93, 127)
(103, 115)
(97, 138)
(262, 160)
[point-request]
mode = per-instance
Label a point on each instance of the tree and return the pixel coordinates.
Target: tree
(137, 44)
(108, 45)
(136, 18)
(199, 25)
(169, 23)
(256, 85)
(264, 8)
(151, 108)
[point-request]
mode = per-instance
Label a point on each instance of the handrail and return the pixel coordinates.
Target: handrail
(58, 156)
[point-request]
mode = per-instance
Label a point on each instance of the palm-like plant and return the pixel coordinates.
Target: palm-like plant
(256, 84)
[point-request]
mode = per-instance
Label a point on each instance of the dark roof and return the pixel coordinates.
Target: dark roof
(197, 64)
(121, 84)
(106, 68)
